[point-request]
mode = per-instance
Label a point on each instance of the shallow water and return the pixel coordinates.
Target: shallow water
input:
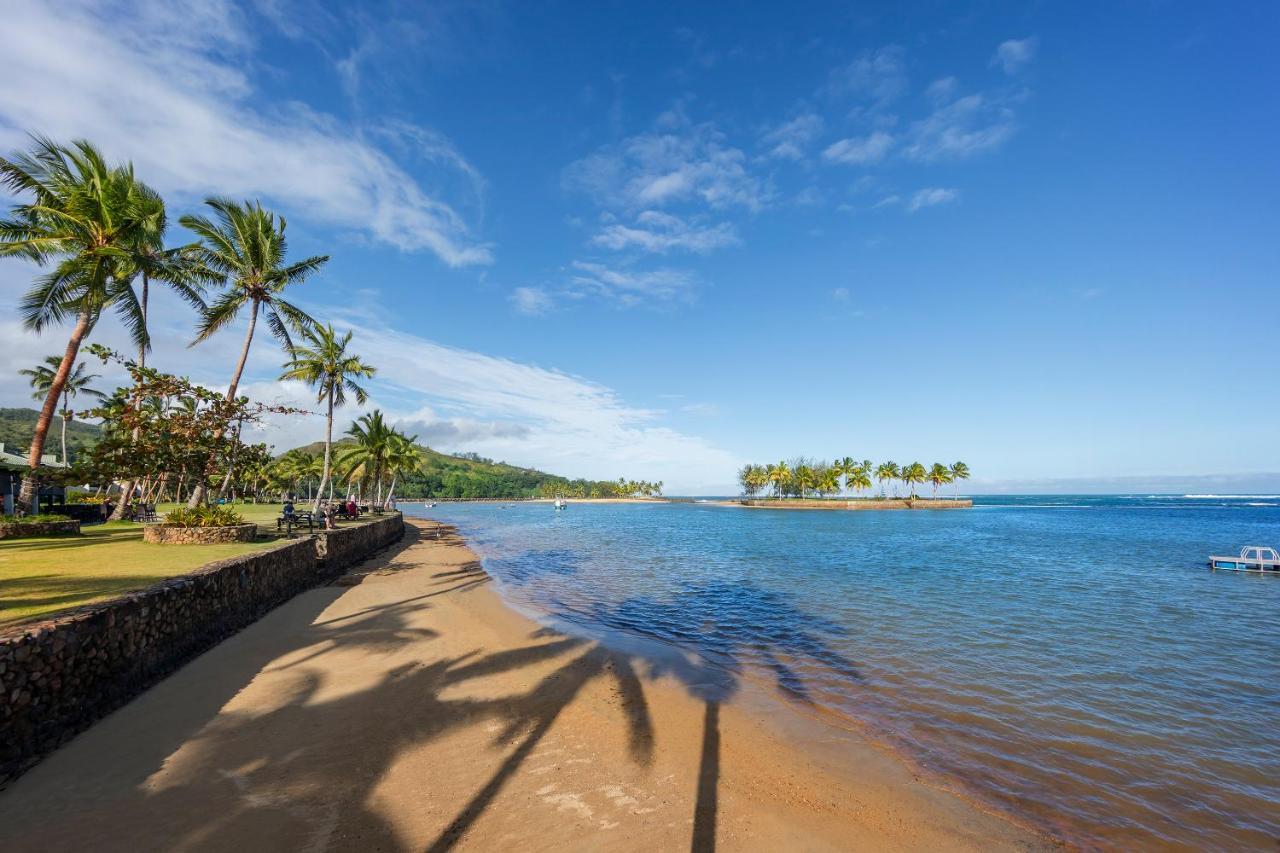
(1068, 658)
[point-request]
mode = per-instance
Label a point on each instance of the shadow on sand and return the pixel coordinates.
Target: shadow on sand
(317, 743)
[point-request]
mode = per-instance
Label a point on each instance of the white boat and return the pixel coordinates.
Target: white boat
(561, 503)
(1253, 558)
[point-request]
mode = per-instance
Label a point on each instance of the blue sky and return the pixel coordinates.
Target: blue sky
(660, 240)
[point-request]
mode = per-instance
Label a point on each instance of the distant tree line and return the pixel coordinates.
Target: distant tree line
(802, 477)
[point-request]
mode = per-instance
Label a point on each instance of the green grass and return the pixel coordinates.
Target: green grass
(41, 575)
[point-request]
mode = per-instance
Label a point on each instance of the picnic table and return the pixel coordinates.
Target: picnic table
(297, 519)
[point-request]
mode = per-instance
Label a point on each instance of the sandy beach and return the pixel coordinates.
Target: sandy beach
(406, 707)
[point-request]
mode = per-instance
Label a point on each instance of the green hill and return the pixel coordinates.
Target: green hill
(444, 475)
(18, 425)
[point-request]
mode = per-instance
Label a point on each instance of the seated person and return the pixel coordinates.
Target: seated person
(288, 511)
(352, 510)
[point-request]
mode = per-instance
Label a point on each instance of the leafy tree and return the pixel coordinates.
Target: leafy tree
(81, 219)
(323, 362)
(366, 457)
(77, 382)
(780, 478)
(245, 246)
(859, 476)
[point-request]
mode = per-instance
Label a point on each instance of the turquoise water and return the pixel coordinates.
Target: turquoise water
(1070, 659)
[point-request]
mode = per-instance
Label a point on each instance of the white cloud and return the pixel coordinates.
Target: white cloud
(791, 140)
(692, 164)
(532, 300)
(931, 197)
(961, 128)
(860, 150)
(659, 232)
(879, 75)
(840, 294)
(168, 86)
(1013, 55)
(630, 287)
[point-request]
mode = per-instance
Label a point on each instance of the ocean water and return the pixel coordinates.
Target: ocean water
(1068, 658)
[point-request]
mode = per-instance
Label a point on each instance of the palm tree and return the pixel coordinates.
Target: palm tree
(83, 214)
(843, 467)
(77, 383)
(859, 477)
(148, 259)
(888, 471)
(911, 475)
(372, 438)
(245, 245)
(959, 471)
(324, 363)
(828, 479)
(780, 477)
(938, 475)
(403, 455)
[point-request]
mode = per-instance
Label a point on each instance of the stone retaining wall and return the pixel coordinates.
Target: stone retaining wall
(60, 675)
(172, 534)
(38, 528)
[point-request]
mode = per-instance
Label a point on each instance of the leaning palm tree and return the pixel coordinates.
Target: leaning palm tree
(959, 471)
(888, 471)
(322, 361)
(859, 477)
(82, 216)
(77, 383)
(244, 244)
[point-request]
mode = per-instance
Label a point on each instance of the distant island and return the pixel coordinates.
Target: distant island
(804, 483)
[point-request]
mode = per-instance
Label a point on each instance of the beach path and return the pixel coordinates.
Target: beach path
(405, 707)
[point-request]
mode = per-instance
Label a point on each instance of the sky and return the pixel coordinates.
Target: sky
(659, 240)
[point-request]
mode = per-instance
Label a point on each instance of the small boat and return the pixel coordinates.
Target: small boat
(1253, 558)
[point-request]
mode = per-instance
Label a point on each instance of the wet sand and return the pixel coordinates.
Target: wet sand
(406, 707)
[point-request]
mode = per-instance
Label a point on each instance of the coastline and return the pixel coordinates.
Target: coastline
(408, 706)
(855, 504)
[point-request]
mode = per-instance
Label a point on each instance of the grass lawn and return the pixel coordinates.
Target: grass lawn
(42, 575)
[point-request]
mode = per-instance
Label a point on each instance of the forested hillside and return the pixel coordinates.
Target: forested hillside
(17, 425)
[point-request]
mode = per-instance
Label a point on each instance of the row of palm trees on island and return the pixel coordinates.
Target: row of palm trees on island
(804, 478)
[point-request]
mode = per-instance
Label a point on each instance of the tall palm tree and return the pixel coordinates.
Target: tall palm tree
(780, 477)
(959, 471)
(938, 475)
(77, 383)
(322, 361)
(888, 471)
(82, 217)
(843, 467)
(245, 245)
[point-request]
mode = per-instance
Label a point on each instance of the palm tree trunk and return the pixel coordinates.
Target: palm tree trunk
(137, 401)
(328, 444)
(197, 493)
(66, 415)
(28, 493)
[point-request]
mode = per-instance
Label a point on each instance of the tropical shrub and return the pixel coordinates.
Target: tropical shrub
(203, 516)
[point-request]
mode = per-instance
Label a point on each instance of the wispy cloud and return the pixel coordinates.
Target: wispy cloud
(1013, 55)
(960, 128)
(860, 150)
(169, 86)
(532, 300)
(931, 197)
(791, 139)
(630, 287)
(658, 232)
(687, 164)
(877, 75)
